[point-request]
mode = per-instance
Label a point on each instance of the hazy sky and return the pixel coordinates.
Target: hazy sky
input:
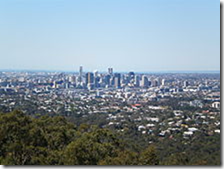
(138, 35)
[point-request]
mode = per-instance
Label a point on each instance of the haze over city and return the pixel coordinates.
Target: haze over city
(126, 35)
(110, 82)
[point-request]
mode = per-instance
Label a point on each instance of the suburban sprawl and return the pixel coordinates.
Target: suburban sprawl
(151, 107)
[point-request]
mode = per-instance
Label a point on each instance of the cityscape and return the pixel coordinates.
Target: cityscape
(110, 83)
(151, 109)
(144, 99)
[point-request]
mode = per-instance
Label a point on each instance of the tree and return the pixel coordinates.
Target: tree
(125, 157)
(91, 147)
(149, 157)
(14, 138)
(25, 140)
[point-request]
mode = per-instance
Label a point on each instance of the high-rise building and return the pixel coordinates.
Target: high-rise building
(89, 78)
(80, 75)
(95, 72)
(163, 82)
(80, 71)
(110, 71)
(117, 80)
(107, 79)
(155, 83)
(96, 81)
(150, 83)
(112, 79)
(131, 75)
(137, 81)
(145, 81)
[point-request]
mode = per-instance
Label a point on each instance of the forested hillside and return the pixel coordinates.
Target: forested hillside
(46, 140)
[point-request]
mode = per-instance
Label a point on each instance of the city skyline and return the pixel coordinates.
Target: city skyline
(86, 70)
(144, 36)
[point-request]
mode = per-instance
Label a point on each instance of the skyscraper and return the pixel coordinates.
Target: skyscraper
(163, 82)
(80, 71)
(95, 72)
(89, 78)
(131, 75)
(110, 71)
(96, 81)
(137, 81)
(80, 74)
(145, 81)
(117, 80)
(155, 82)
(107, 79)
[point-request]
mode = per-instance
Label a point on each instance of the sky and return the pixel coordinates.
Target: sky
(127, 35)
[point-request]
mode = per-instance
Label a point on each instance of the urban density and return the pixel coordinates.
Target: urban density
(142, 98)
(149, 108)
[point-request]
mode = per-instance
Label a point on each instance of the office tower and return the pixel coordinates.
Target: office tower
(117, 80)
(79, 78)
(110, 71)
(186, 83)
(117, 83)
(80, 71)
(89, 78)
(102, 81)
(112, 79)
(123, 80)
(131, 75)
(107, 79)
(155, 83)
(95, 72)
(145, 81)
(163, 82)
(96, 81)
(137, 81)
(150, 83)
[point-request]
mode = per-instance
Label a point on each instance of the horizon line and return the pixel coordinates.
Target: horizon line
(76, 71)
